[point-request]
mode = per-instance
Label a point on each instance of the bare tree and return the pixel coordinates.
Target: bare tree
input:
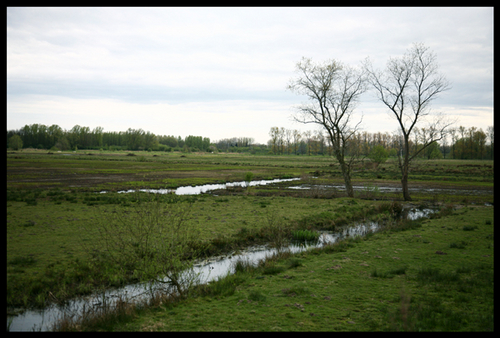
(307, 135)
(296, 134)
(407, 87)
(288, 140)
(274, 132)
(333, 90)
(453, 133)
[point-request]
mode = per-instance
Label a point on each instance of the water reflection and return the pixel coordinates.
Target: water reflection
(200, 189)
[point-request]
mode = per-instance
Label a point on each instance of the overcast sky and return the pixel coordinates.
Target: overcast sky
(222, 72)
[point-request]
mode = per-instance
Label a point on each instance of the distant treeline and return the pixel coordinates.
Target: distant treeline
(472, 143)
(463, 143)
(54, 137)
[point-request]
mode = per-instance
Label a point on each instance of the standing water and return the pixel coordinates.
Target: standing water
(200, 189)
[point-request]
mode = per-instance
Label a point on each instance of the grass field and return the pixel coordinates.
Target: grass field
(52, 203)
(434, 276)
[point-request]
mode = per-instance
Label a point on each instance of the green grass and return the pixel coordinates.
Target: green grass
(51, 200)
(418, 290)
(305, 235)
(56, 234)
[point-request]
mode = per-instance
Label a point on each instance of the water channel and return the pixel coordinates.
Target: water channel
(209, 270)
(201, 189)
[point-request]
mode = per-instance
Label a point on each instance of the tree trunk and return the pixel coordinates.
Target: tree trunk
(347, 175)
(406, 192)
(348, 185)
(405, 166)
(404, 178)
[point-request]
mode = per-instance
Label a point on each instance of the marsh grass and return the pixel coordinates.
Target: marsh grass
(305, 235)
(48, 229)
(222, 287)
(250, 300)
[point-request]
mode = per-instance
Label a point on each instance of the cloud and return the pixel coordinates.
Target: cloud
(150, 60)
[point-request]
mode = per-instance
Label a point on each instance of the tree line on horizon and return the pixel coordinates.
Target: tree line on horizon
(53, 137)
(471, 143)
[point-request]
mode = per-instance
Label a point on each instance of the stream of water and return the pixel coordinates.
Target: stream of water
(208, 270)
(200, 189)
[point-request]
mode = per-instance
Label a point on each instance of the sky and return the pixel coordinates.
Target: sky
(222, 72)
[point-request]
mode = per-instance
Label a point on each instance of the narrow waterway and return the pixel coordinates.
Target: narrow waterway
(208, 270)
(201, 189)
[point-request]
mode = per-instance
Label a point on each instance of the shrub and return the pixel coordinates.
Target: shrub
(154, 242)
(378, 154)
(15, 142)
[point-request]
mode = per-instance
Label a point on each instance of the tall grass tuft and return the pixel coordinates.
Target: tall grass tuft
(305, 235)
(242, 266)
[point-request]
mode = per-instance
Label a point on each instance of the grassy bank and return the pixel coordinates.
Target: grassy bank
(431, 275)
(50, 255)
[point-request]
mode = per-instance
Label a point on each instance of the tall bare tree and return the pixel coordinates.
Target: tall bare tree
(407, 87)
(333, 90)
(296, 134)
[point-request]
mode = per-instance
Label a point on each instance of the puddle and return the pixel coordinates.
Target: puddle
(209, 269)
(201, 189)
